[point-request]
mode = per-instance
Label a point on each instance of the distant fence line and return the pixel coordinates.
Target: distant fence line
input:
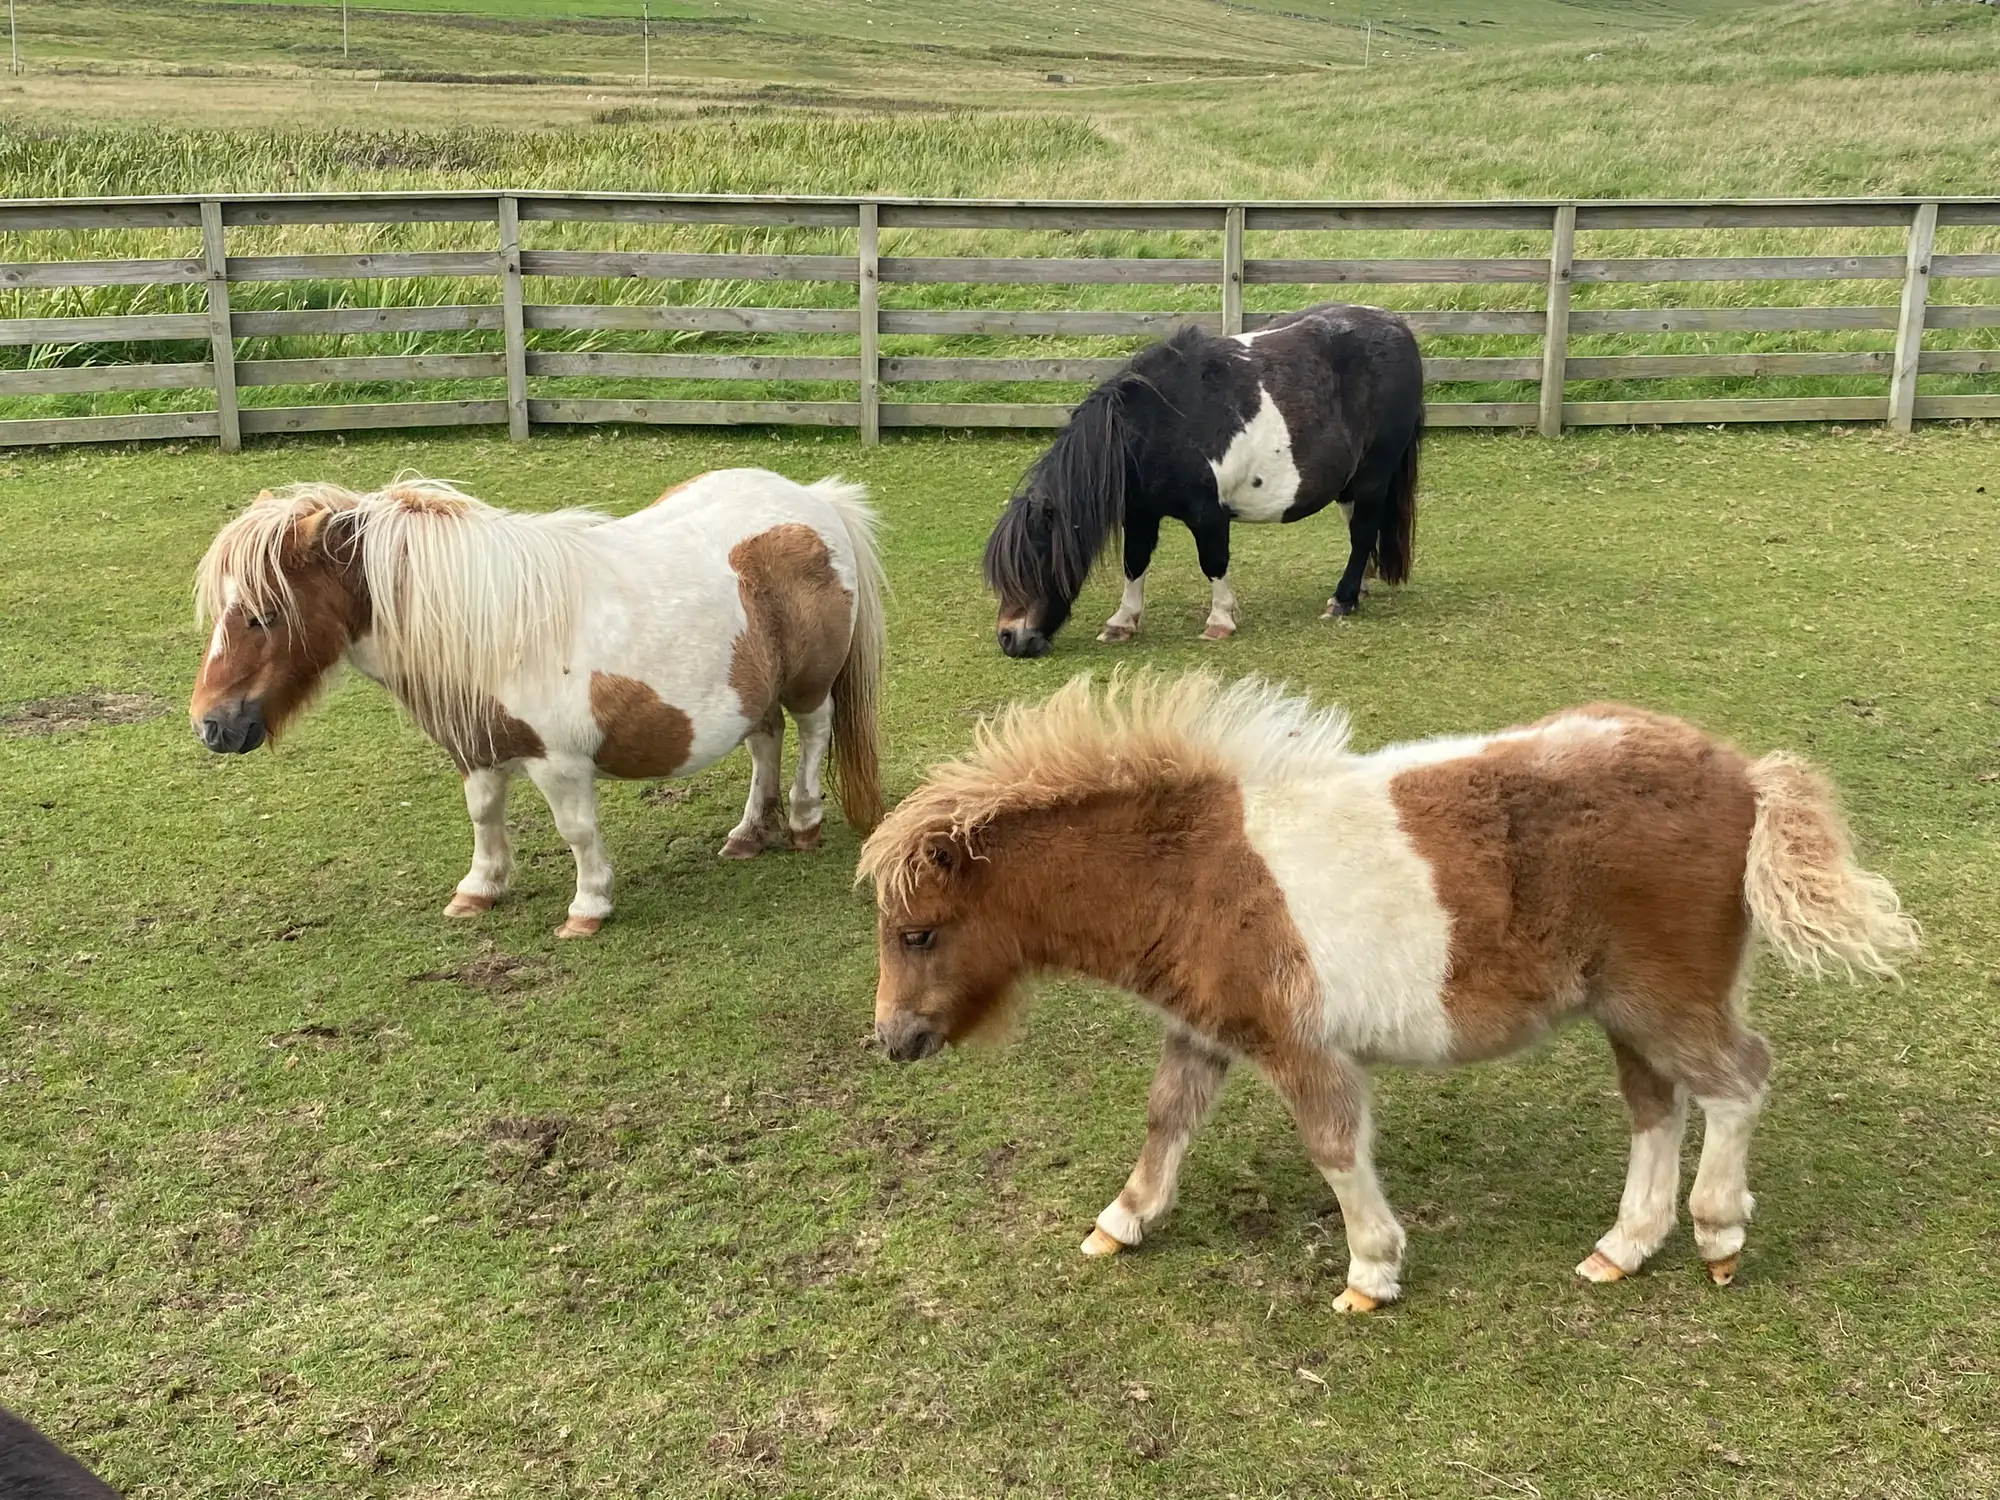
(866, 270)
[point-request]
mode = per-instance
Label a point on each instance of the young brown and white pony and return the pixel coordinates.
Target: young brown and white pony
(569, 645)
(1220, 852)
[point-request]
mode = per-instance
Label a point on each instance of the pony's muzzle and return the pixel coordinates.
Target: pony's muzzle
(233, 729)
(1022, 640)
(908, 1038)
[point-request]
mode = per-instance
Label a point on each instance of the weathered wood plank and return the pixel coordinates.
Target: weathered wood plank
(1728, 319)
(1964, 408)
(1074, 271)
(1555, 333)
(36, 431)
(653, 265)
(371, 367)
(1457, 272)
(1964, 265)
(704, 413)
(868, 296)
(1743, 268)
(582, 209)
(1910, 317)
(24, 217)
(1678, 366)
(1978, 211)
(468, 208)
(1442, 370)
(1960, 362)
(973, 414)
(1051, 216)
(221, 338)
(443, 318)
(642, 318)
(1232, 270)
(359, 415)
(377, 266)
(1739, 215)
(1482, 413)
(25, 275)
(1448, 320)
(513, 327)
(974, 320)
(1292, 217)
(697, 366)
(137, 329)
(1758, 409)
(1937, 315)
(67, 380)
(978, 367)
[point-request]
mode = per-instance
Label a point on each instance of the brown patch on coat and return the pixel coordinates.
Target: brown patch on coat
(644, 735)
(281, 662)
(425, 500)
(800, 619)
(1199, 927)
(1587, 871)
(673, 490)
(497, 738)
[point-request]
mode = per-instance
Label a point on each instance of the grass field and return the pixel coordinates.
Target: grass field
(304, 1191)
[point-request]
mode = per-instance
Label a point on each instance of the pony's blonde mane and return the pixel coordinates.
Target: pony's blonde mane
(1142, 732)
(464, 597)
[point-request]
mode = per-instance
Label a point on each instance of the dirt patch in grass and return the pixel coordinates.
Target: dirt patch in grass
(66, 714)
(489, 969)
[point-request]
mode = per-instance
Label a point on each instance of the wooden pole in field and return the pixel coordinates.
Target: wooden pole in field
(1368, 45)
(343, 30)
(646, 37)
(13, 40)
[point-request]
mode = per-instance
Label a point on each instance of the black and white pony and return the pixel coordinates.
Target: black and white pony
(1325, 406)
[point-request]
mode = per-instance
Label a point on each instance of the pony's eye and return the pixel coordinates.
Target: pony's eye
(919, 940)
(260, 622)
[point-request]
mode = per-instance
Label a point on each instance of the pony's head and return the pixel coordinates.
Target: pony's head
(1067, 509)
(284, 588)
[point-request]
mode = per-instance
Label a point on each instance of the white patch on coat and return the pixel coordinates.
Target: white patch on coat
(1560, 734)
(1652, 1182)
(1222, 604)
(1256, 477)
(1131, 605)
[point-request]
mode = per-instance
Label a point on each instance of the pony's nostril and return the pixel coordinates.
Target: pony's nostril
(211, 732)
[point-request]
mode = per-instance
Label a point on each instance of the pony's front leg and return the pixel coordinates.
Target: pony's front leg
(570, 785)
(1142, 535)
(1328, 1095)
(808, 806)
(492, 855)
(1189, 1077)
(1211, 545)
(763, 822)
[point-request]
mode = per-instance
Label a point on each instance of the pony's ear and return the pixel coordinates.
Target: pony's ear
(945, 855)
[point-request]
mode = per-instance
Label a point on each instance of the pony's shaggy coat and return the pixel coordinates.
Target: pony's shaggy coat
(1284, 900)
(568, 645)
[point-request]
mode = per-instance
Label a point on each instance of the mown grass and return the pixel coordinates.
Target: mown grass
(1811, 99)
(303, 1190)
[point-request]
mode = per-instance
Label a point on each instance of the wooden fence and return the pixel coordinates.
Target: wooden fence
(509, 264)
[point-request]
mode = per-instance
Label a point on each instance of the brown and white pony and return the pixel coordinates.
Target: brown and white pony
(1220, 852)
(569, 645)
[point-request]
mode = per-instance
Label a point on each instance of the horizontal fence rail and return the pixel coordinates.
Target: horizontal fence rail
(521, 374)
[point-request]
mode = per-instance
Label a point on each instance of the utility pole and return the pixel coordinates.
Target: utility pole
(1368, 45)
(13, 40)
(343, 29)
(645, 35)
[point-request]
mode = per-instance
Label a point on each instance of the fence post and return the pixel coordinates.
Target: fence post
(221, 335)
(513, 320)
(867, 287)
(1910, 324)
(1555, 335)
(1232, 269)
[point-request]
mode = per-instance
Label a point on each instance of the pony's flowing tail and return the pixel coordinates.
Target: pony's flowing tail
(856, 762)
(1396, 544)
(1808, 897)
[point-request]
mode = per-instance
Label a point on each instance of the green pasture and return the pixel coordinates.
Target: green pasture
(304, 1191)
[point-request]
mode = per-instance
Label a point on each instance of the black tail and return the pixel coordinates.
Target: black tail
(1396, 545)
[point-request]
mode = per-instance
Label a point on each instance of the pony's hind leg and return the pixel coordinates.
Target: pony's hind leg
(1142, 535)
(1363, 509)
(1721, 1204)
(1328, 1095)
(1658, 1109)
(492, 855)
(763, 818)
(570, 785)
(808, 806)
(1189, 1077)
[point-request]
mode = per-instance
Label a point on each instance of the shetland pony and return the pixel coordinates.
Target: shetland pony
(569, 646)
(1321, 407)
(1281, 899)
